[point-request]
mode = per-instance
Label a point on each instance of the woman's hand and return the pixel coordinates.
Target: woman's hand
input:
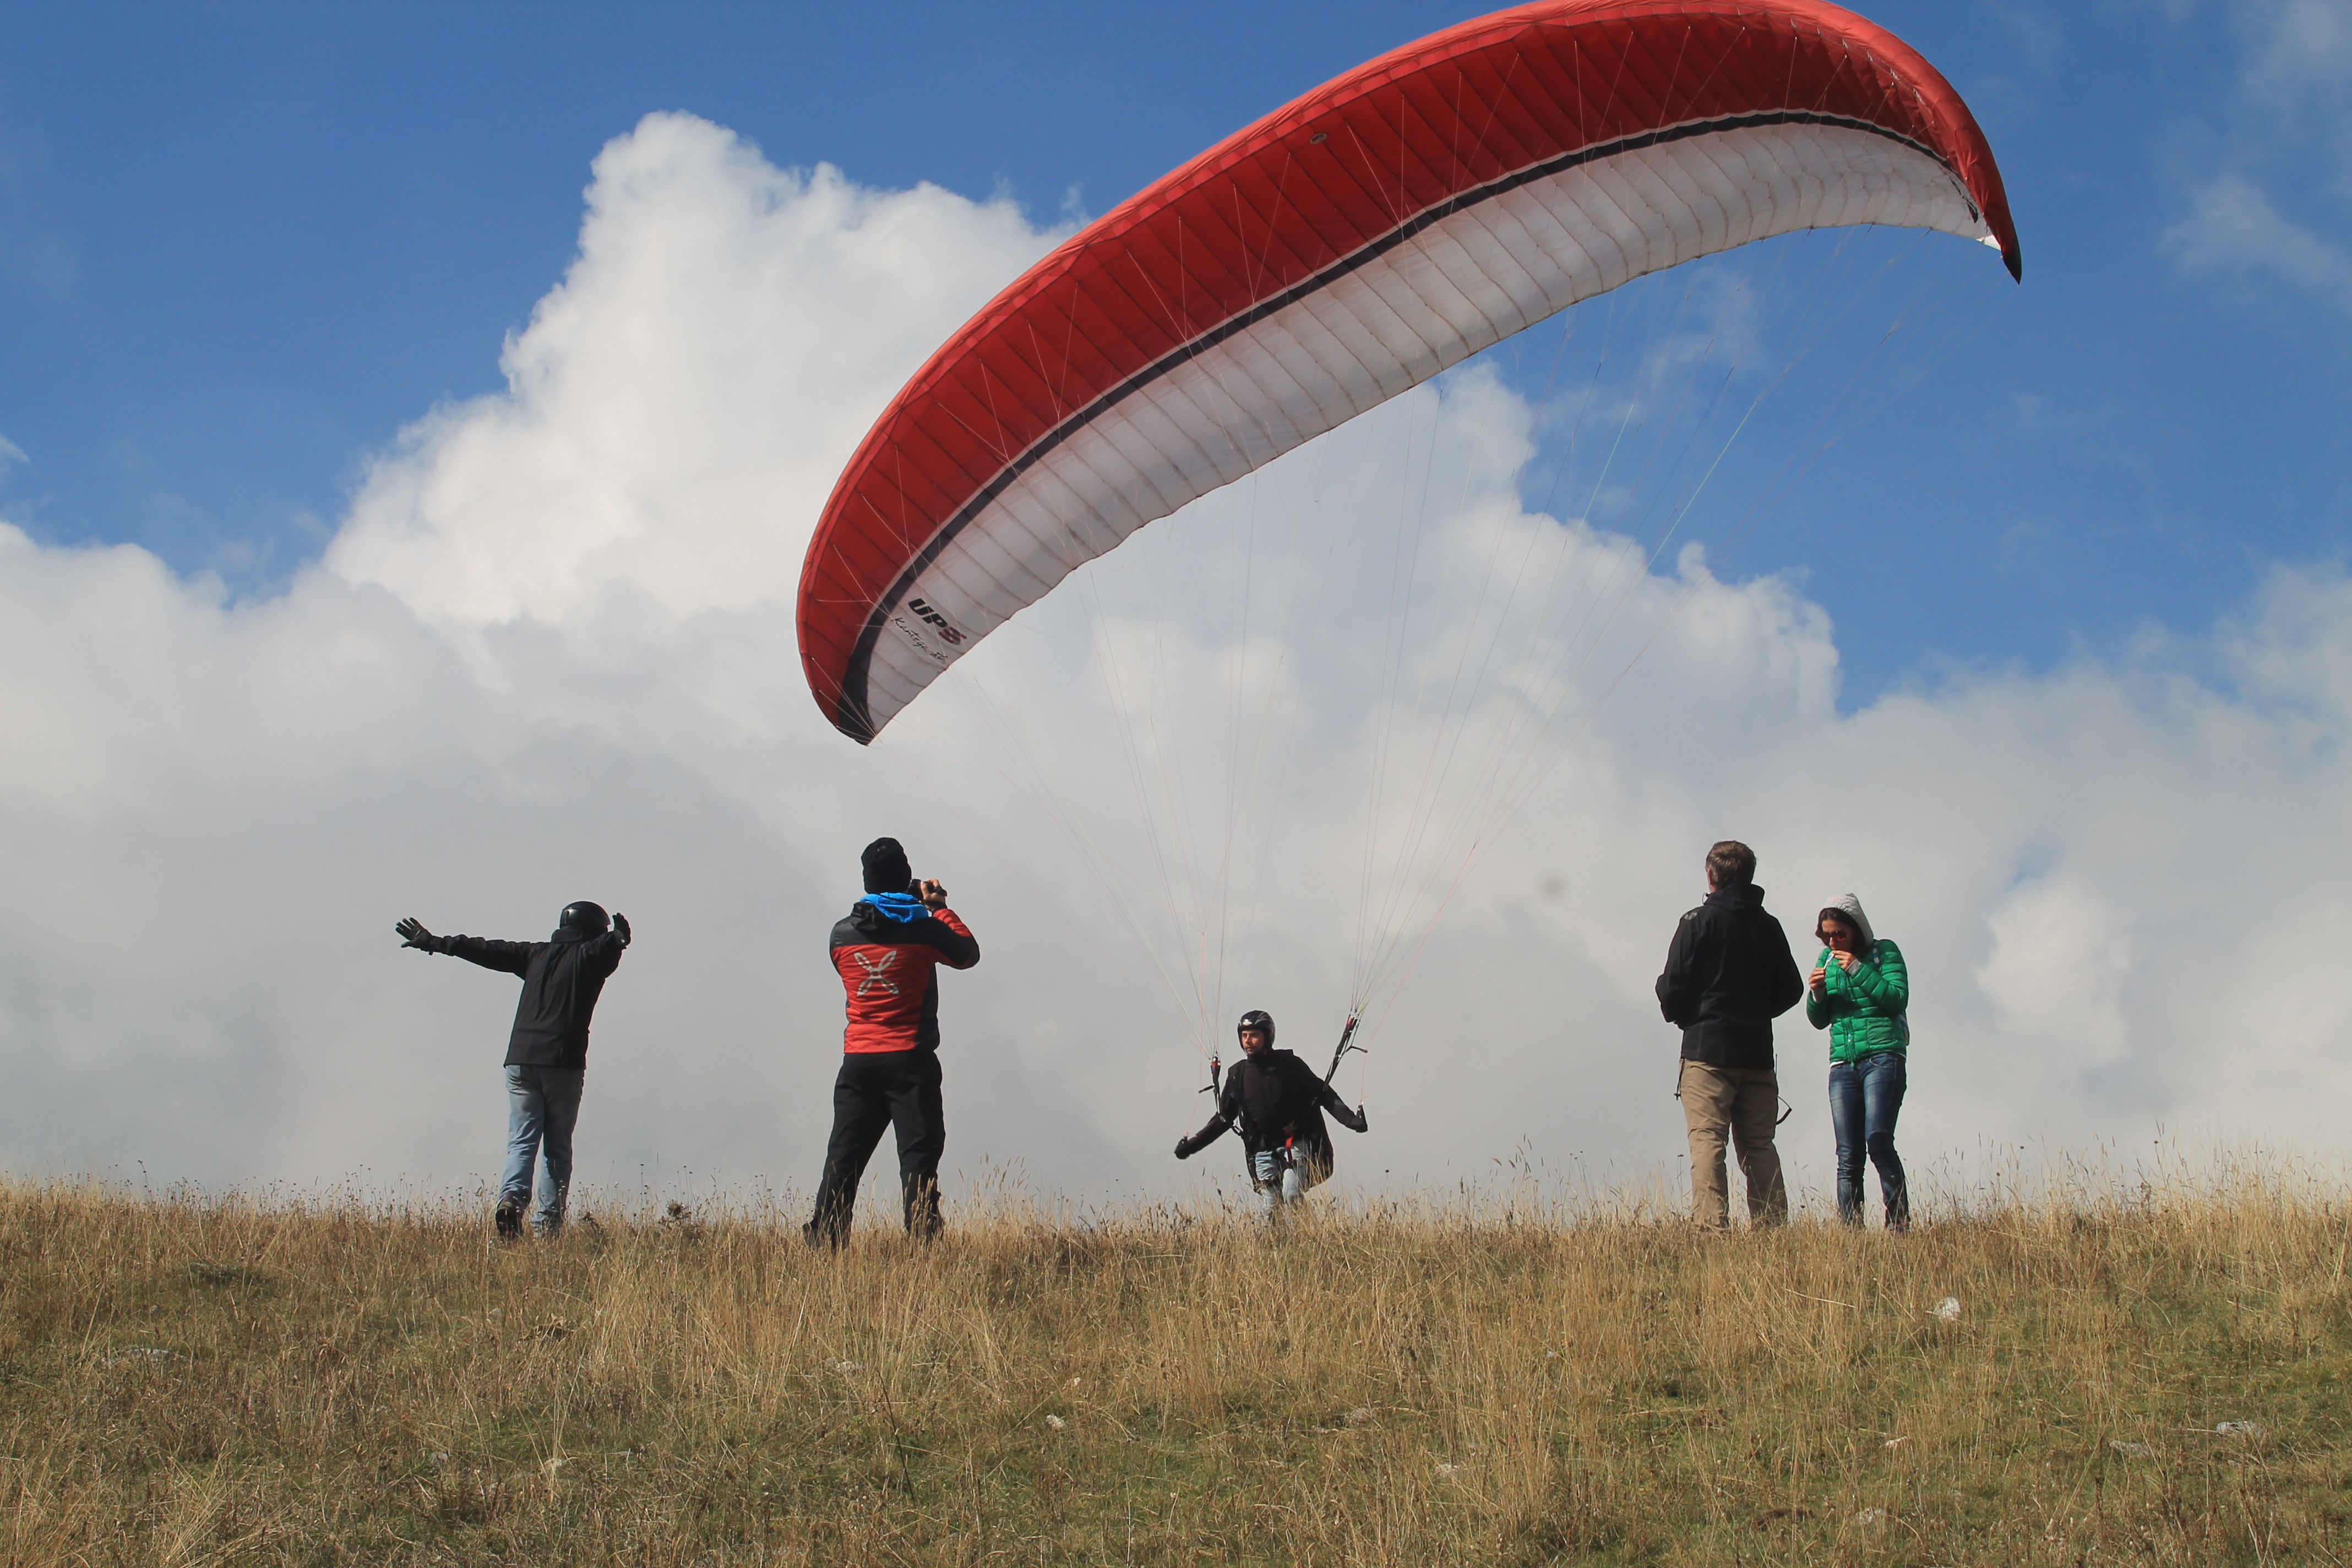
(1848, 961)
(1820, 979)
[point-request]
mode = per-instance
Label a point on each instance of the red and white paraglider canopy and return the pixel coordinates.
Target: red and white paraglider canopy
(1349, 246)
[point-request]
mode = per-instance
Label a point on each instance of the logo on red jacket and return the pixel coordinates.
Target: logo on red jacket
(874, 979)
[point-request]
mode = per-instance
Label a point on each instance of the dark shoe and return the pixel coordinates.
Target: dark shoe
(509, 1219)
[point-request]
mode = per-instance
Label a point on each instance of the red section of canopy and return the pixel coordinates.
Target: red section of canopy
(1315, 182)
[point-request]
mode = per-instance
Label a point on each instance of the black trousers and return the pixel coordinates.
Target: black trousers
(874, 1091)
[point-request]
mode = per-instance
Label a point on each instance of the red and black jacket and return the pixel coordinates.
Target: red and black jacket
(886, 967)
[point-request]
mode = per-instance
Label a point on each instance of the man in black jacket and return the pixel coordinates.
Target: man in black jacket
(1278, 1104)
(1729, 975)
(547, 1054)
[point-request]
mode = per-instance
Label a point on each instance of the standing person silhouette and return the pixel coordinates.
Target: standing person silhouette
(547, 1053)
(1729, 975)
(887, 949)
(1860, 991)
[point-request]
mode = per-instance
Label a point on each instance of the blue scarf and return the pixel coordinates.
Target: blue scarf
(897, 906)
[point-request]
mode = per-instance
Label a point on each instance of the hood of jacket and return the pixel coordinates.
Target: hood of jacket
(1739, 895)
(872, 923)
(1850, 907)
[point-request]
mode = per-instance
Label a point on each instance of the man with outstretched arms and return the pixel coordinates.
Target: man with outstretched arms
(887, 949)
(1729, 975)
(546, 1054)
(1278, 1104)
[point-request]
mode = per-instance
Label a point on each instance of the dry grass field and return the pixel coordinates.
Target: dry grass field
(197, 1380)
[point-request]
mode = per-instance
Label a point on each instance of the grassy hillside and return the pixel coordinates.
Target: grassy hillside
(199, 1381)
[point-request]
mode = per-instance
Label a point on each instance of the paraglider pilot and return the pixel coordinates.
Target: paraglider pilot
(886, 951)
(1278, 1104)
(546, 1054)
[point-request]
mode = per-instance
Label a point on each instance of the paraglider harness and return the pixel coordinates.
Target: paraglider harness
(1286, 1156)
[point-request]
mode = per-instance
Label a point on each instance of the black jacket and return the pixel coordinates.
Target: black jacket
(1729, 975)
(561, 978)
(1273, 1098)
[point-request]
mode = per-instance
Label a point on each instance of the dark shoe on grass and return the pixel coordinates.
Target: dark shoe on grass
(509, 1219)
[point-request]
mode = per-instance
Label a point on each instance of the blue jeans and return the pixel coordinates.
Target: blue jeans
(1865, 1097)
(543, 1104)
(1282, 1176)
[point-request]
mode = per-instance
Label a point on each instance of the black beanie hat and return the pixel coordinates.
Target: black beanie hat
(886, 870)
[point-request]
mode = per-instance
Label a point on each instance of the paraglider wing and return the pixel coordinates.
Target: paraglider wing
(1343, 249)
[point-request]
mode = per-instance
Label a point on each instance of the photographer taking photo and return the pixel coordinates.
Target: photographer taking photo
(886, 951)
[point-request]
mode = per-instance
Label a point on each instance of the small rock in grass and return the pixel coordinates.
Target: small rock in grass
(1055, 1422)
(846, 1368)
(1447, 1469)
(1949, 1309)
(1361, 1415)
(1870, 1516)
(2249, 1430)
(2130, 1450)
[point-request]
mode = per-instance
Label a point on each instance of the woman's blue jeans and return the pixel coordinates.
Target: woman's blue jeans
(1865, 1097)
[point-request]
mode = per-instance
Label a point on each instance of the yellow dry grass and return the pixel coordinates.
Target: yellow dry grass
(213, 1379)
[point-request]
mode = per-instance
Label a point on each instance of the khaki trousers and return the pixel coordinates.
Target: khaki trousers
(1746, 1104)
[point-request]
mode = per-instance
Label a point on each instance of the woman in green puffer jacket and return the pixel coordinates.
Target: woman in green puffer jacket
(1861, 993)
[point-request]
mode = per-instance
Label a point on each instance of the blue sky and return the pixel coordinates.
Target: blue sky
(241, 245)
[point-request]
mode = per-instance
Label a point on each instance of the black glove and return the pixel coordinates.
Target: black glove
(1186, 1147)
(413, 934)
(621, 929)
(1360, 1122)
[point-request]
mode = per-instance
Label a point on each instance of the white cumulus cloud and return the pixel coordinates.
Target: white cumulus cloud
(680, 404)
